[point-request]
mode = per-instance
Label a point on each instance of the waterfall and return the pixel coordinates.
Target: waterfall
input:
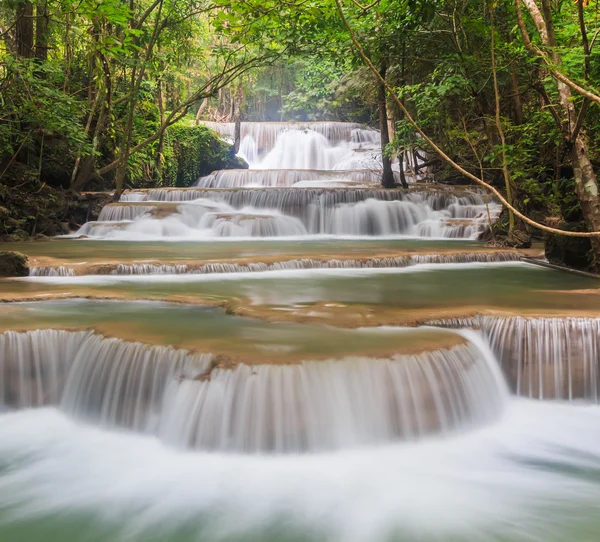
(238, 178)
(303, 183)
(548, 358)
(292, 212)
(265, 134)
(119, 383)
(47, 271)
(296, 149)
(332, 404)
(290, 199)
(543, 358)
(319, 145)
(193, 401)
(304, 263)
(34, 366)
(115, 212)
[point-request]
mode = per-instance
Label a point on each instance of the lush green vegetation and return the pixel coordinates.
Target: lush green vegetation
(95, 94)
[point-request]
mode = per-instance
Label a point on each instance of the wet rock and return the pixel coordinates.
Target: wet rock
(518, 239)
(236, 162)
(13, 264)
(575, 252)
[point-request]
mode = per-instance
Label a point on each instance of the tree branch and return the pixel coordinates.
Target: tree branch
(440, 152)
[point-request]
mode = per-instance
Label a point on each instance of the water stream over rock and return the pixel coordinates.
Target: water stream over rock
(296, 407)
(307, 179)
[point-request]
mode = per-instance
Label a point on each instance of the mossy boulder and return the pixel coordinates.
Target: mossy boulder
(13, 264)
(194, 151)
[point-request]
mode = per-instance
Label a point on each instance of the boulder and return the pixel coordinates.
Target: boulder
(13, 264)
(575, 252)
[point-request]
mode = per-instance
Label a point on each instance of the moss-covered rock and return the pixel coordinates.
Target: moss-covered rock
(194, 151)
(13, 264)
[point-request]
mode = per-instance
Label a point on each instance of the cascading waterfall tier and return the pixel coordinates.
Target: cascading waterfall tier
(306, 145)
(49, 271)
(333, 404)
(238, 178)
(193, 401)
(34, 366)
(548, 358)
(305, 263)
(118, 383)
(543, 358)
(265, 134)
(297, 212)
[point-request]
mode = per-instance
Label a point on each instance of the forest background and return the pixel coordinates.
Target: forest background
(101, 95)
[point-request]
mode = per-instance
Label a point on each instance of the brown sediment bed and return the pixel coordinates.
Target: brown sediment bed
(355, 316)
(228, 356)
(44, 264)
(333, 314)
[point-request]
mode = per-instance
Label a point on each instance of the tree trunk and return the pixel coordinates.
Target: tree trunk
(402, 175)
(202, 109)
(516, 97)
(387, 179)
(41, 31)
(161, 139)
(586, 189)
(586, 181)
(24, 30)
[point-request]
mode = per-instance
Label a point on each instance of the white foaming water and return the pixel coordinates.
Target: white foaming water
(239, 178)
(324, 405)
(297, 149)
(60, 271)
(304, 263)
(224, 273)
(304, 156)
(285, 212)
(543, 358)
(532, 477)
(327, 145)
(548, 358)
(34, 365)
(308, 406)
(197, 219)
(265, 134)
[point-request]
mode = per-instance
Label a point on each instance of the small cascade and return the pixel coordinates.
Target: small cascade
(118, 383)
(60, 271)
(193, 401)
(265, 134)
(150, 269)
(34, 366)
(250, 178)
(294, 200)
(548, 358)
(307, 263)
(252, 224)
(112, 213)
(291, 212)
(306, 145)
(543, 358)
(334, 404)
(304, 149)
(304, 263)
